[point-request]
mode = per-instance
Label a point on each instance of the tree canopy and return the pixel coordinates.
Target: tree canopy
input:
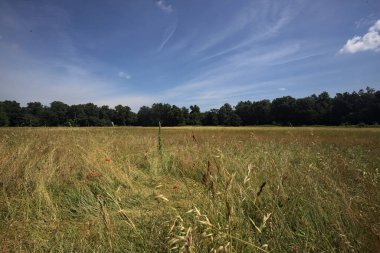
(362, 107)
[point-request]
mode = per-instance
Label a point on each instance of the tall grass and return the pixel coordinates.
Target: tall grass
(209, 190)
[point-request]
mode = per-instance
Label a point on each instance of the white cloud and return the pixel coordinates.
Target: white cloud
(124, 75)
(369, 41)
(282, 89)
(163, 5)
(375, 27)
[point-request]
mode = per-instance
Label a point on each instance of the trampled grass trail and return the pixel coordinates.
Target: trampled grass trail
(248, 189)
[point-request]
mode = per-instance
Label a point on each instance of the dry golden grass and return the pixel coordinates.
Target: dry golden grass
(216, 189)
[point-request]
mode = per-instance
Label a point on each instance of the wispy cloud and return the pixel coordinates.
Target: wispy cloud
(366, 21)
(46, 75)
(124, 75)
(167, 35)
(368, 42)
(230, 77)
(240, 21)
(163, 5)
(27, 79)
(215, 94)
(251, 58)
(257, 22)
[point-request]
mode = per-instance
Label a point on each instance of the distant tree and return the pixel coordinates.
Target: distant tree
(345, 108)
(305, 113)
(195, 116)
(58, 115)
(341, 108)
(375, 108)
(145, 116)
(77, 116)
(227, 116)
(3, 116)
(105, 115)
(161, 112)
(210, 118)
(323, 106)
(32, 114)
(245, 111)
(262, 112)
(175, 116)
(123, 116)
(92, 114)
(254, 113)
(367, 106)
(185, 113)
(14, 112)
(283, 110)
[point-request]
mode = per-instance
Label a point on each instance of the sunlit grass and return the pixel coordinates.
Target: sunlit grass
(262, 189)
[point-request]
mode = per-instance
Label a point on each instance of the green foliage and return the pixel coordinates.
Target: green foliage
(195, 116)
(227, 116)
(3, 116)
(362, 107)
(210, 118)
(13, 112)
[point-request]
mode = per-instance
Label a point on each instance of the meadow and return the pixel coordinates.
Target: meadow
(190, 189)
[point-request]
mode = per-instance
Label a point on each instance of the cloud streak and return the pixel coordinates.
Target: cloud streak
(258, 25)
(164, 6)
(220, 80)
(167, 36)
(368, 42)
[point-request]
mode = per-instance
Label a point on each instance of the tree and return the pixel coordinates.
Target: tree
(14, 113)
(345, 108)
(305, 111)
(105, 115)
(210, 118)
(175, 117)
(262, 112)
(375, 107)
(283, 110)
(145, 116)
(185, 113)
(227, 116)
(254, 113)
(122, 116)
(245, 111)
(58, 113)
(33, 114)
(366, 106)
(92, 113)
(195, 116)
(3, 116)
(340, 108)
(76, 116)
(323, 105)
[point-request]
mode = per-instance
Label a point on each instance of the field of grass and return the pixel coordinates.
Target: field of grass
(189, 189)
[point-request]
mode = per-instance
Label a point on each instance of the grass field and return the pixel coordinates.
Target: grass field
(259, 189)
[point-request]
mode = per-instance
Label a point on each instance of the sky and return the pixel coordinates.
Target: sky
(185, 52)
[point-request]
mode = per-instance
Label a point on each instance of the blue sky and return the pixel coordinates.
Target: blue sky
(185, 52)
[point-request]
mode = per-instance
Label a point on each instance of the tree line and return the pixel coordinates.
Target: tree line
(362, 107)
